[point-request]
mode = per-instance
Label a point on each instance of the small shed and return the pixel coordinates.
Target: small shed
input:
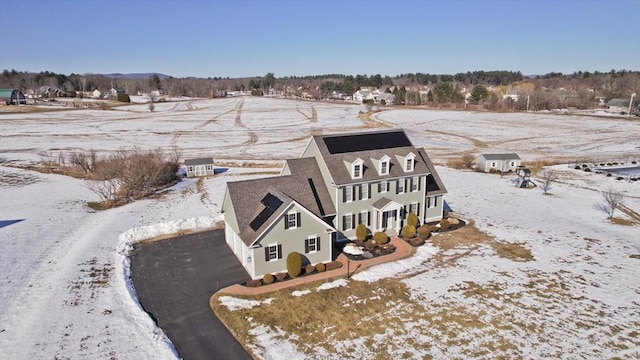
(199, 167)
(12, 96)
(498, 162)
(618, 106)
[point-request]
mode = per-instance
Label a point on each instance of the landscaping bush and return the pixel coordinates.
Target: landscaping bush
(587, 170)
(294, 264)
(333, 265)
(309, 269)
(408, 231)
(453, 221)
(445, 224)
(424, 231)
(254, 283)
(577, 167)
(361, 232)
(412, 219)
(380, 238)
(320, 267)
(493, 170)
(268, 279)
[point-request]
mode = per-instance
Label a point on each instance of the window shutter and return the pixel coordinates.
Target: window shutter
(419, 183)
(266, 253)
(306, 246)
(359, 190)
(279, 251)
(368, 218)
(435, 201)
(298, 219)
(380, 187)
(353, 221)
(344, 222)
(344, 194)
(318, 243)
(418, 209)
(360, 218)
(286, 221)
(411, 184)
(398, 187)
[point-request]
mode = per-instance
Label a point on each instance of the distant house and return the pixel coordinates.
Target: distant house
(373, 178)
(12, 96)
(96, 94)
(618, 106)
(199, 167)
(498, 162)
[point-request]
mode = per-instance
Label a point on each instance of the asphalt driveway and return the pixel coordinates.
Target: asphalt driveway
(174, 280)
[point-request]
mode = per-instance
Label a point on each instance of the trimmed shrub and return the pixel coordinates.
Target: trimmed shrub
(294, 264)
(424, 231)
(309, 269)
(320, 267)
(412, 219)
(444, 224)
(268, 279)
(361, 232)
(253, 283)
(380, 238)
(281, 276)
(493, 170)
(408, 231)
(333, 265)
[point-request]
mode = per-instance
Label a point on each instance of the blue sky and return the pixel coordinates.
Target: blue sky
(307, 37)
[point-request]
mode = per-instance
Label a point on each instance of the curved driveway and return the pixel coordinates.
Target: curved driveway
(174, 280)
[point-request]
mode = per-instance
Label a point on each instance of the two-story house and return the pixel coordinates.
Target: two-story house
(375, 178)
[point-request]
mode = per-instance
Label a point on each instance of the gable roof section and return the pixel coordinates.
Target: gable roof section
(500, 156)
(198, 161)
(435, 186)
(308, 167)
(258, 203)
(369, 146)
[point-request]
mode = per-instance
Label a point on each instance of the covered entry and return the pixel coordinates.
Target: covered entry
(387, 214)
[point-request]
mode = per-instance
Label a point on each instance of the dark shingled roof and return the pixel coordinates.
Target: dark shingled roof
(309, 167)
(435, 186)
(198, 161)
(393, 143)
(248, 196)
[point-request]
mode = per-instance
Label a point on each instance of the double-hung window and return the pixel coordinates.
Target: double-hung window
(415, 183)
(312, 244)
(364, 191)
(400, 186)
(347, 222)
(348, 193)
(292, 220)
(432, 202)
(383, 187)
(273, 252)
(414, 208)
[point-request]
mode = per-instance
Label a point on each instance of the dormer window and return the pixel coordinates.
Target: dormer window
(384, 165)
(409, 162)
(356, 169)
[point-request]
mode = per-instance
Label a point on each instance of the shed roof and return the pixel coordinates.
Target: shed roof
(199, 161)
(501, 156)
(618, 102)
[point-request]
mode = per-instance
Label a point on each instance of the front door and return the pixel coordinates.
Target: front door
(389, 219)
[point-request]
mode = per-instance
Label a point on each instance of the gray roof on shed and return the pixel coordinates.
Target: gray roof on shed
(500, 156)
(198, 161)
(618, 102)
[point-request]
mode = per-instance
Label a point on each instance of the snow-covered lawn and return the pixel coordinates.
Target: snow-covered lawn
(63, 286)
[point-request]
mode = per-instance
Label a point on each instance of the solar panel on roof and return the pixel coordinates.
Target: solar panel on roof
(364, 142)
(271, 204)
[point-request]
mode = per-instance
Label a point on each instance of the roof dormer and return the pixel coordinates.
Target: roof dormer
(409, 162)
(356, 168)
(383, 165)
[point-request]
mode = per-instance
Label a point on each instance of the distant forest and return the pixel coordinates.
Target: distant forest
(581, 89)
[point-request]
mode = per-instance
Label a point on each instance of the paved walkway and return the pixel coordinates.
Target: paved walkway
(403, 250)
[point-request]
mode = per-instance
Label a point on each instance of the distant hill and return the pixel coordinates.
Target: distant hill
(135, 76)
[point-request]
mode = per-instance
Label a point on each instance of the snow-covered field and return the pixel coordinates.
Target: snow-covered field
(63, 287)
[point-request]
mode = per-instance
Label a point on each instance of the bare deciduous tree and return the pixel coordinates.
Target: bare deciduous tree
(548, 177)
(612, 201)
